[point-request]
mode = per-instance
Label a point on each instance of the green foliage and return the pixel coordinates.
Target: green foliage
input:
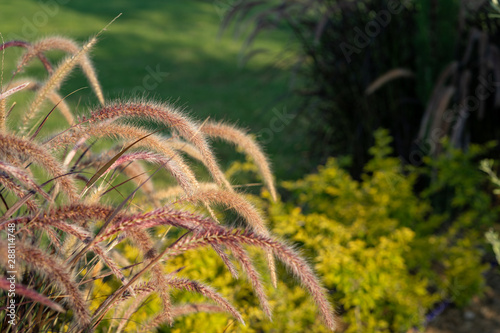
(456, 189)
(491, 235)
(372, 238)
(492, 238)
(387, 255)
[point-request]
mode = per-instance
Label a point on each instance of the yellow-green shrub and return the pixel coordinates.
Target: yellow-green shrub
(387, 253)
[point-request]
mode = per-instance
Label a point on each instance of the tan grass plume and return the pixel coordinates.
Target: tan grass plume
(69, 46)
(247, 144)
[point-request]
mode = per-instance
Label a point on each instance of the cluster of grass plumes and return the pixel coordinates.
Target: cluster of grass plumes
(74, 207)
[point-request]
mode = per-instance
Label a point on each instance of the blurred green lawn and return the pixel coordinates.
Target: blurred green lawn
(174, 37)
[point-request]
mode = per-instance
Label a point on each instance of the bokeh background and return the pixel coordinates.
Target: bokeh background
(380, 118)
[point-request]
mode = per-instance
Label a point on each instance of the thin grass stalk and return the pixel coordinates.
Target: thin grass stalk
(153, 142)
(53, 96)
(18, 191)
(130, 310)
(19, 43)
(187, 309)
(22, 149)
(59, 274)
(23, 177)
(185, 147)
(31, 294)
(170, 164)
(79, 233)
(194, 286)
(159, 281)
(139, 175)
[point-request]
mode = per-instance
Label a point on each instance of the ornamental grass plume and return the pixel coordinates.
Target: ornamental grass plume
(239, 138)
(69, 46)
(87, 219)
(53, 97)
(54, 82)
(21, 150)
(57, 273)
